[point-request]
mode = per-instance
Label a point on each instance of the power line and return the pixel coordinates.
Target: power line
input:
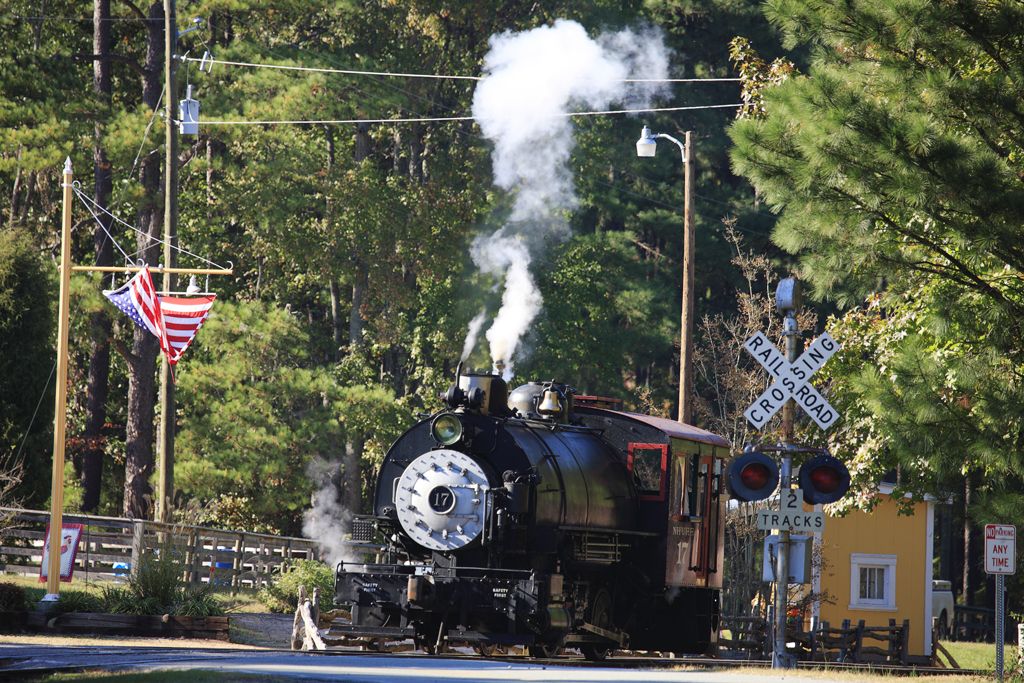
(351, 72)
(90, 203)
(446, 119)
(46, 17)
(356, 72)
(430, 102)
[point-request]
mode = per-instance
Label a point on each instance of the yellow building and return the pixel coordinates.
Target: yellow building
(876, 567)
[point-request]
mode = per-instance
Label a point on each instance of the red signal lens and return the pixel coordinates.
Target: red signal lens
(825, 479)
(755, 476)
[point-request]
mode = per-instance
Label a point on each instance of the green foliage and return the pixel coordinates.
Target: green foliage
(156, 579)
(12, 598)
(257, 413)
(282, 595)
(120, 600)
(198, 601)
(26, 358)
(896, 167)
(79, 601)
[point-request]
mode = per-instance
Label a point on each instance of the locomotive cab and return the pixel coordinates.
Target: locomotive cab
(539, 519)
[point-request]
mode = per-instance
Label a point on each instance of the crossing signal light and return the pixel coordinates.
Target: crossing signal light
(824, 479)
(752, 476)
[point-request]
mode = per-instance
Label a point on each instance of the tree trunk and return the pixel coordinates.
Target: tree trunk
(352, 485)
(355, 318)
(968, 583)
(15, 190)
(336, 317)
(91, 461)
(352, 488)
(142, 370)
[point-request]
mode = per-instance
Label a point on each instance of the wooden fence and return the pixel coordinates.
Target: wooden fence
(110, 546)
(978, 624)
(749, 637)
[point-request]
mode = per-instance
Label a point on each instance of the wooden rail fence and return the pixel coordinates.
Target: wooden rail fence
(748, 637)
(110, 546)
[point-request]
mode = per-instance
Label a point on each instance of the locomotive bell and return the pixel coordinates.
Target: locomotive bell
(550, 405)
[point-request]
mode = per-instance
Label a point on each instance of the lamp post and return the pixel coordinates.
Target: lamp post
(646, 146)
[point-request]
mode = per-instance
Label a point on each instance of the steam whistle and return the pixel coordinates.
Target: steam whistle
(499, 367)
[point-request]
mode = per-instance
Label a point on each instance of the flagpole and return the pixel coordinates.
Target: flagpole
(52, 559)
(60, 397)
(165, 437)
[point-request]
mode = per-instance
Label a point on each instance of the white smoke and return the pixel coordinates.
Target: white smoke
(327, 522)
(531, 80)
(472, 334)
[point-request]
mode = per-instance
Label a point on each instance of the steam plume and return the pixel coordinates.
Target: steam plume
(327, 521)
(473, 333)
(531, 81)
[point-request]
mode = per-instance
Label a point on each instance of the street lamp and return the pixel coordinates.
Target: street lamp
(646, 146)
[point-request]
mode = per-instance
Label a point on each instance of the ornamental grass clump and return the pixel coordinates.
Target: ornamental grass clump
(282, 595)
(155, 586)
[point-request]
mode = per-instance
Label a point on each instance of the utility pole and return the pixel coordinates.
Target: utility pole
(646, 146)
(686, 317)
(165, 438)
(787, 299)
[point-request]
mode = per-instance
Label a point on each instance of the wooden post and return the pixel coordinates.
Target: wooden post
(196, 564)
(60, 396)
(138, 543)
(905, 642)
(686, 318)
(236, 563)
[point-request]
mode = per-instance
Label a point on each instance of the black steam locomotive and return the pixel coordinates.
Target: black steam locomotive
(543, 519)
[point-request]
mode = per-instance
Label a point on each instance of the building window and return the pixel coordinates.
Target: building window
(872, 581)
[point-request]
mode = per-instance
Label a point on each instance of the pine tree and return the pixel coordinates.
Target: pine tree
(896, 168)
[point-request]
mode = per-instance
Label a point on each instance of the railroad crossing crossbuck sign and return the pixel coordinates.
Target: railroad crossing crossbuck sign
(791, 380)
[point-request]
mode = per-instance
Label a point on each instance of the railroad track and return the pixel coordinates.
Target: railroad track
(27, 664)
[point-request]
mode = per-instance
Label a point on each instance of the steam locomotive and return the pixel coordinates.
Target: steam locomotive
(543, 519)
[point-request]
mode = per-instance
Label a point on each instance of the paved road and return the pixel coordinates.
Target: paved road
(23, 659)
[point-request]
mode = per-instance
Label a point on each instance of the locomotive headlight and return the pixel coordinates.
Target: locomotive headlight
(446, 429)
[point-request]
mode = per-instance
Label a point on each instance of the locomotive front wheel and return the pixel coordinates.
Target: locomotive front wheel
(601, 616)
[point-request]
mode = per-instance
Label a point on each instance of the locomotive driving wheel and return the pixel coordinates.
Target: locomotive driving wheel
(543, 650)
(600, 616)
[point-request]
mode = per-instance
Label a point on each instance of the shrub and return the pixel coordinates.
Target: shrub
(12, 598)
(117, 600)
(282, 595)
(157, 577)
(198, 601)
(79, 601)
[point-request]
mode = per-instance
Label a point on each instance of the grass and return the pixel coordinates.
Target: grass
(980, 655)
(826, 674)
(245, 601)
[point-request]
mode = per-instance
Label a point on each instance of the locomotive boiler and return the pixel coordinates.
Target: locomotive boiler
(544, 519)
